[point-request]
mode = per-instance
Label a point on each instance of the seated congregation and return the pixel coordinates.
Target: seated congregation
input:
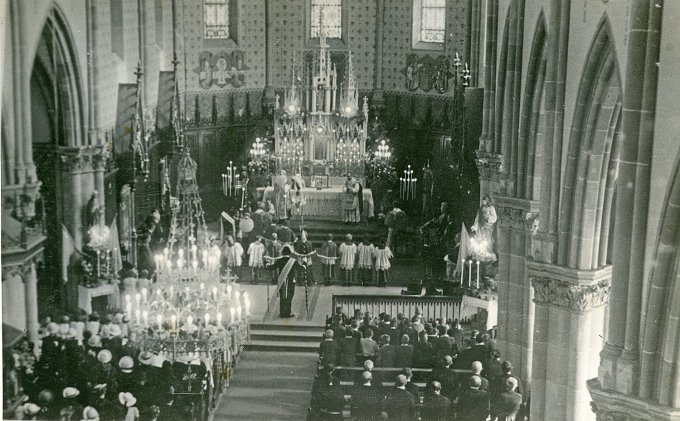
(417, 369)
(100, 374)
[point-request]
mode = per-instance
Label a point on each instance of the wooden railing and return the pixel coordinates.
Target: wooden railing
(430, 307)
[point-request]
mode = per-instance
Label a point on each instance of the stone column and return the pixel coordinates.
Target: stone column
(378, 101)
(516, 218)
(567, 338)
(30, 279)
(490, 167)
(99, 159)
(269, 94)
(72, 165)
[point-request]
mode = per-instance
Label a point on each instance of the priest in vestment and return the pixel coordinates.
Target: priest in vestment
(352, 201)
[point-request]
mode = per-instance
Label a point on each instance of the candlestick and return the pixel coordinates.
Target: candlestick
(477, 274)
(462, 270)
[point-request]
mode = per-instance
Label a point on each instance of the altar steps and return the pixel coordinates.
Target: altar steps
(318, 230)
(284, 338)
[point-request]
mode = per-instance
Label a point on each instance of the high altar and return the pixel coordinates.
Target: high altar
(320, 130)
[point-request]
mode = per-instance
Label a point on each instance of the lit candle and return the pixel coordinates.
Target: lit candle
(247, 303)
(137, 314)
(207, 319)
(229, 292)
(201, 286)
(477, 274)
(214, 291)
(470, 273)
(239, 310)
(158, 292)
(159, 321)
(145, 316)
(219, 319)
(144, 292)
(194, 264)
(128, 308)
(462, 269)
(138, 297)
(190, 321)
(231, 313)
(173, 322)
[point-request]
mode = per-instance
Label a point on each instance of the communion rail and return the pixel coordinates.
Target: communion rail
(430, 307)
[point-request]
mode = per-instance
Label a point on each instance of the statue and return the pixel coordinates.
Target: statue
(482, 241)
(93, 210)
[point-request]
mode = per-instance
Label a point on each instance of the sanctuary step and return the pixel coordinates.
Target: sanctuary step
(279, 337)
(318, 229)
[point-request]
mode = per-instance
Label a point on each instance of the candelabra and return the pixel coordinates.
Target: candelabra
(407, 185)
(230, 180)
(259, 150)
(383, 152)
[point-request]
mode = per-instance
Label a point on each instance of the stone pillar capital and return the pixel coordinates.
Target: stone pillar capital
(570, 289)
(490, 165)
(22, 269)
(609, 405)
(515, 213)
(77, 160)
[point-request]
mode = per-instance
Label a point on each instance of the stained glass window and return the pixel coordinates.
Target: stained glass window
(216, 18)
(331, 11)
(433, 18)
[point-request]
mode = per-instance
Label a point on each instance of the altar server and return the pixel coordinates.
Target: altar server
(233, 253)
(382, 255)
(348, 254)
(365, 265)
(328, 255)
(255, 259)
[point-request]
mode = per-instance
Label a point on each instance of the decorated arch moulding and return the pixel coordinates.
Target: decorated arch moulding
(568, 288)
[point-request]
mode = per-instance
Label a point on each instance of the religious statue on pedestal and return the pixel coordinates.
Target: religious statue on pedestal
(352, 203)
(483, 228)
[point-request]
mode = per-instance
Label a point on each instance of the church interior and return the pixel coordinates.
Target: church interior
(334, 209)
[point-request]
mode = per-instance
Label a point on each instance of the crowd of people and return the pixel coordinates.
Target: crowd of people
(463, 374)
(90, 370)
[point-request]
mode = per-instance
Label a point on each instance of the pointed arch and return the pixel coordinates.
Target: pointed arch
(530, 143)
(56, 64)
(592, 157)
(509, 90)
(660, 359)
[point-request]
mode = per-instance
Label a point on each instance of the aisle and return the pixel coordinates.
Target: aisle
(269, 386)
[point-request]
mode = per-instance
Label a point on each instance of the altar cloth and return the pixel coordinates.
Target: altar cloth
(327, 203)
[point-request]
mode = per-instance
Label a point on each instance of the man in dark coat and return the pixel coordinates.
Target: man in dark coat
(445, 344)
(447, 377)
(145, 260)
(423, 353)
(473, 403)
(367, 401)
(287, 267)
(477, 352)
(435, 406)
(404, 353)
(508, 403)
(285, 234)
(411, 387)
(328, 349)
(401, 405)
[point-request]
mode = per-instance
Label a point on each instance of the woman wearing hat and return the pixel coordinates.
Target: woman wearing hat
(90, 414)
(70, 407)
(128, 401)
(126, 378)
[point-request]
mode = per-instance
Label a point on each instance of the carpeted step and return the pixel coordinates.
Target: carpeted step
(286, 327)
(286, 336)
(282, 346)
